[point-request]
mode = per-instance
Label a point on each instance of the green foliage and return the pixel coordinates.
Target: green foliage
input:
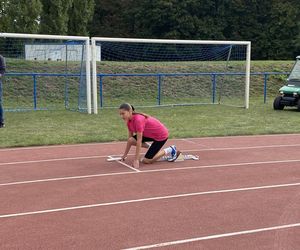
(80, 14)
(110, 18)
(176, 19)
(20, 16)
(284, 36)
(4, 16)
(59, 17)
(55, 16)
(272, 26)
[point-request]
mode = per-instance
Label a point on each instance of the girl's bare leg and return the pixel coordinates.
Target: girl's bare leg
(159, 154)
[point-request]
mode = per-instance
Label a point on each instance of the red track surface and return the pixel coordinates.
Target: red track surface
(243, 193)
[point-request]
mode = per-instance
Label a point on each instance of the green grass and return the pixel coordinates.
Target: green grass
(65, 127)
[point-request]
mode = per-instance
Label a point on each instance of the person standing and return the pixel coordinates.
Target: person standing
(2, 72)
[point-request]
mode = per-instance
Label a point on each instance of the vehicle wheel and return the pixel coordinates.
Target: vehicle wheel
(277, 103)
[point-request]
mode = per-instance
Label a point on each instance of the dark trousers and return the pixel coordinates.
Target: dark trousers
(1, 107)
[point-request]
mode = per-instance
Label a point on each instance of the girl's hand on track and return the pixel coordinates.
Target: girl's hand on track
(136, 164)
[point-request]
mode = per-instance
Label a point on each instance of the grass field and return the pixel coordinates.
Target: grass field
(66, 127)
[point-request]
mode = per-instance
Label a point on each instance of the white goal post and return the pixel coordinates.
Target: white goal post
(85, 61)
(98, 41)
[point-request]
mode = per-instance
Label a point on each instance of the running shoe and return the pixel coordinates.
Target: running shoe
(173, 153)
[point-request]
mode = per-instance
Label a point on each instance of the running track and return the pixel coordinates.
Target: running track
(243, 193)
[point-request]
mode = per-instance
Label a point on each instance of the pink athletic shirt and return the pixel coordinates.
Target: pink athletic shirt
(150, 127)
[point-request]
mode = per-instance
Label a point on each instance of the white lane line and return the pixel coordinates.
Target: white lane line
(244, 164)
(122, 142)
(152, 199)
(53, 159)
(61, 146)
(243, 136)
(65, 178)
(196, 143)
(215, 236)
(249, 147)
(104, 156)
(128, 166)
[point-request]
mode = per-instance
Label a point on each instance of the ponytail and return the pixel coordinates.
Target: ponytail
(129, 107)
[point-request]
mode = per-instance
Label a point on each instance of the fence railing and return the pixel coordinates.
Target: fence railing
(266, 76)
(34, 91)
(213, 75)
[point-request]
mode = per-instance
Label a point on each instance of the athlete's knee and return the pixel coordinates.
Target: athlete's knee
(131, 140)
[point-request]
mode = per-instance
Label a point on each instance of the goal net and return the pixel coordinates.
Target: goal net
(45, 72)
(149, 72)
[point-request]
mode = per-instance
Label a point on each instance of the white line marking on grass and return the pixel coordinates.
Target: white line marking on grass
(151, 199)
(215, 236)
(245, 164)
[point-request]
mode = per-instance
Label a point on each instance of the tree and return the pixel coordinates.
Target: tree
(272, 26)
(284, 29)
(80, 14)
(110, 18)
(20, 16)
(55, 16)
(190, 19)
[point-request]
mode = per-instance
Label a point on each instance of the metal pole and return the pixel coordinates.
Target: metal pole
(34, 92)
(159, 90)
(265, 87)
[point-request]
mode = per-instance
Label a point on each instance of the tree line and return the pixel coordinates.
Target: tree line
(272, 26)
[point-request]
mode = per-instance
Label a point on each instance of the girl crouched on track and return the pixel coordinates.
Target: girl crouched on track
(143, 128)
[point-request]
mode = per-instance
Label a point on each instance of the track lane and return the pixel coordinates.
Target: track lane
(150, 222)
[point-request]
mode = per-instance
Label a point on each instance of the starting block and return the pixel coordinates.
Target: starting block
(182, 157)
(114, 158)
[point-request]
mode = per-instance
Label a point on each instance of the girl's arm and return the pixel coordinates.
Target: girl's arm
(128, 146)
(139, 137)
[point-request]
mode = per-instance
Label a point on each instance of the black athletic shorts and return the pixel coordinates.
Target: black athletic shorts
(154, 148)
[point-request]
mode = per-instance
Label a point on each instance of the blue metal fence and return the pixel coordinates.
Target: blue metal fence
(266, 76)
(159, 76)
(35, 84)
(213, 76)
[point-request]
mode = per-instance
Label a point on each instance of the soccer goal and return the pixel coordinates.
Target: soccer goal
(151, 72)
(46, 72)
